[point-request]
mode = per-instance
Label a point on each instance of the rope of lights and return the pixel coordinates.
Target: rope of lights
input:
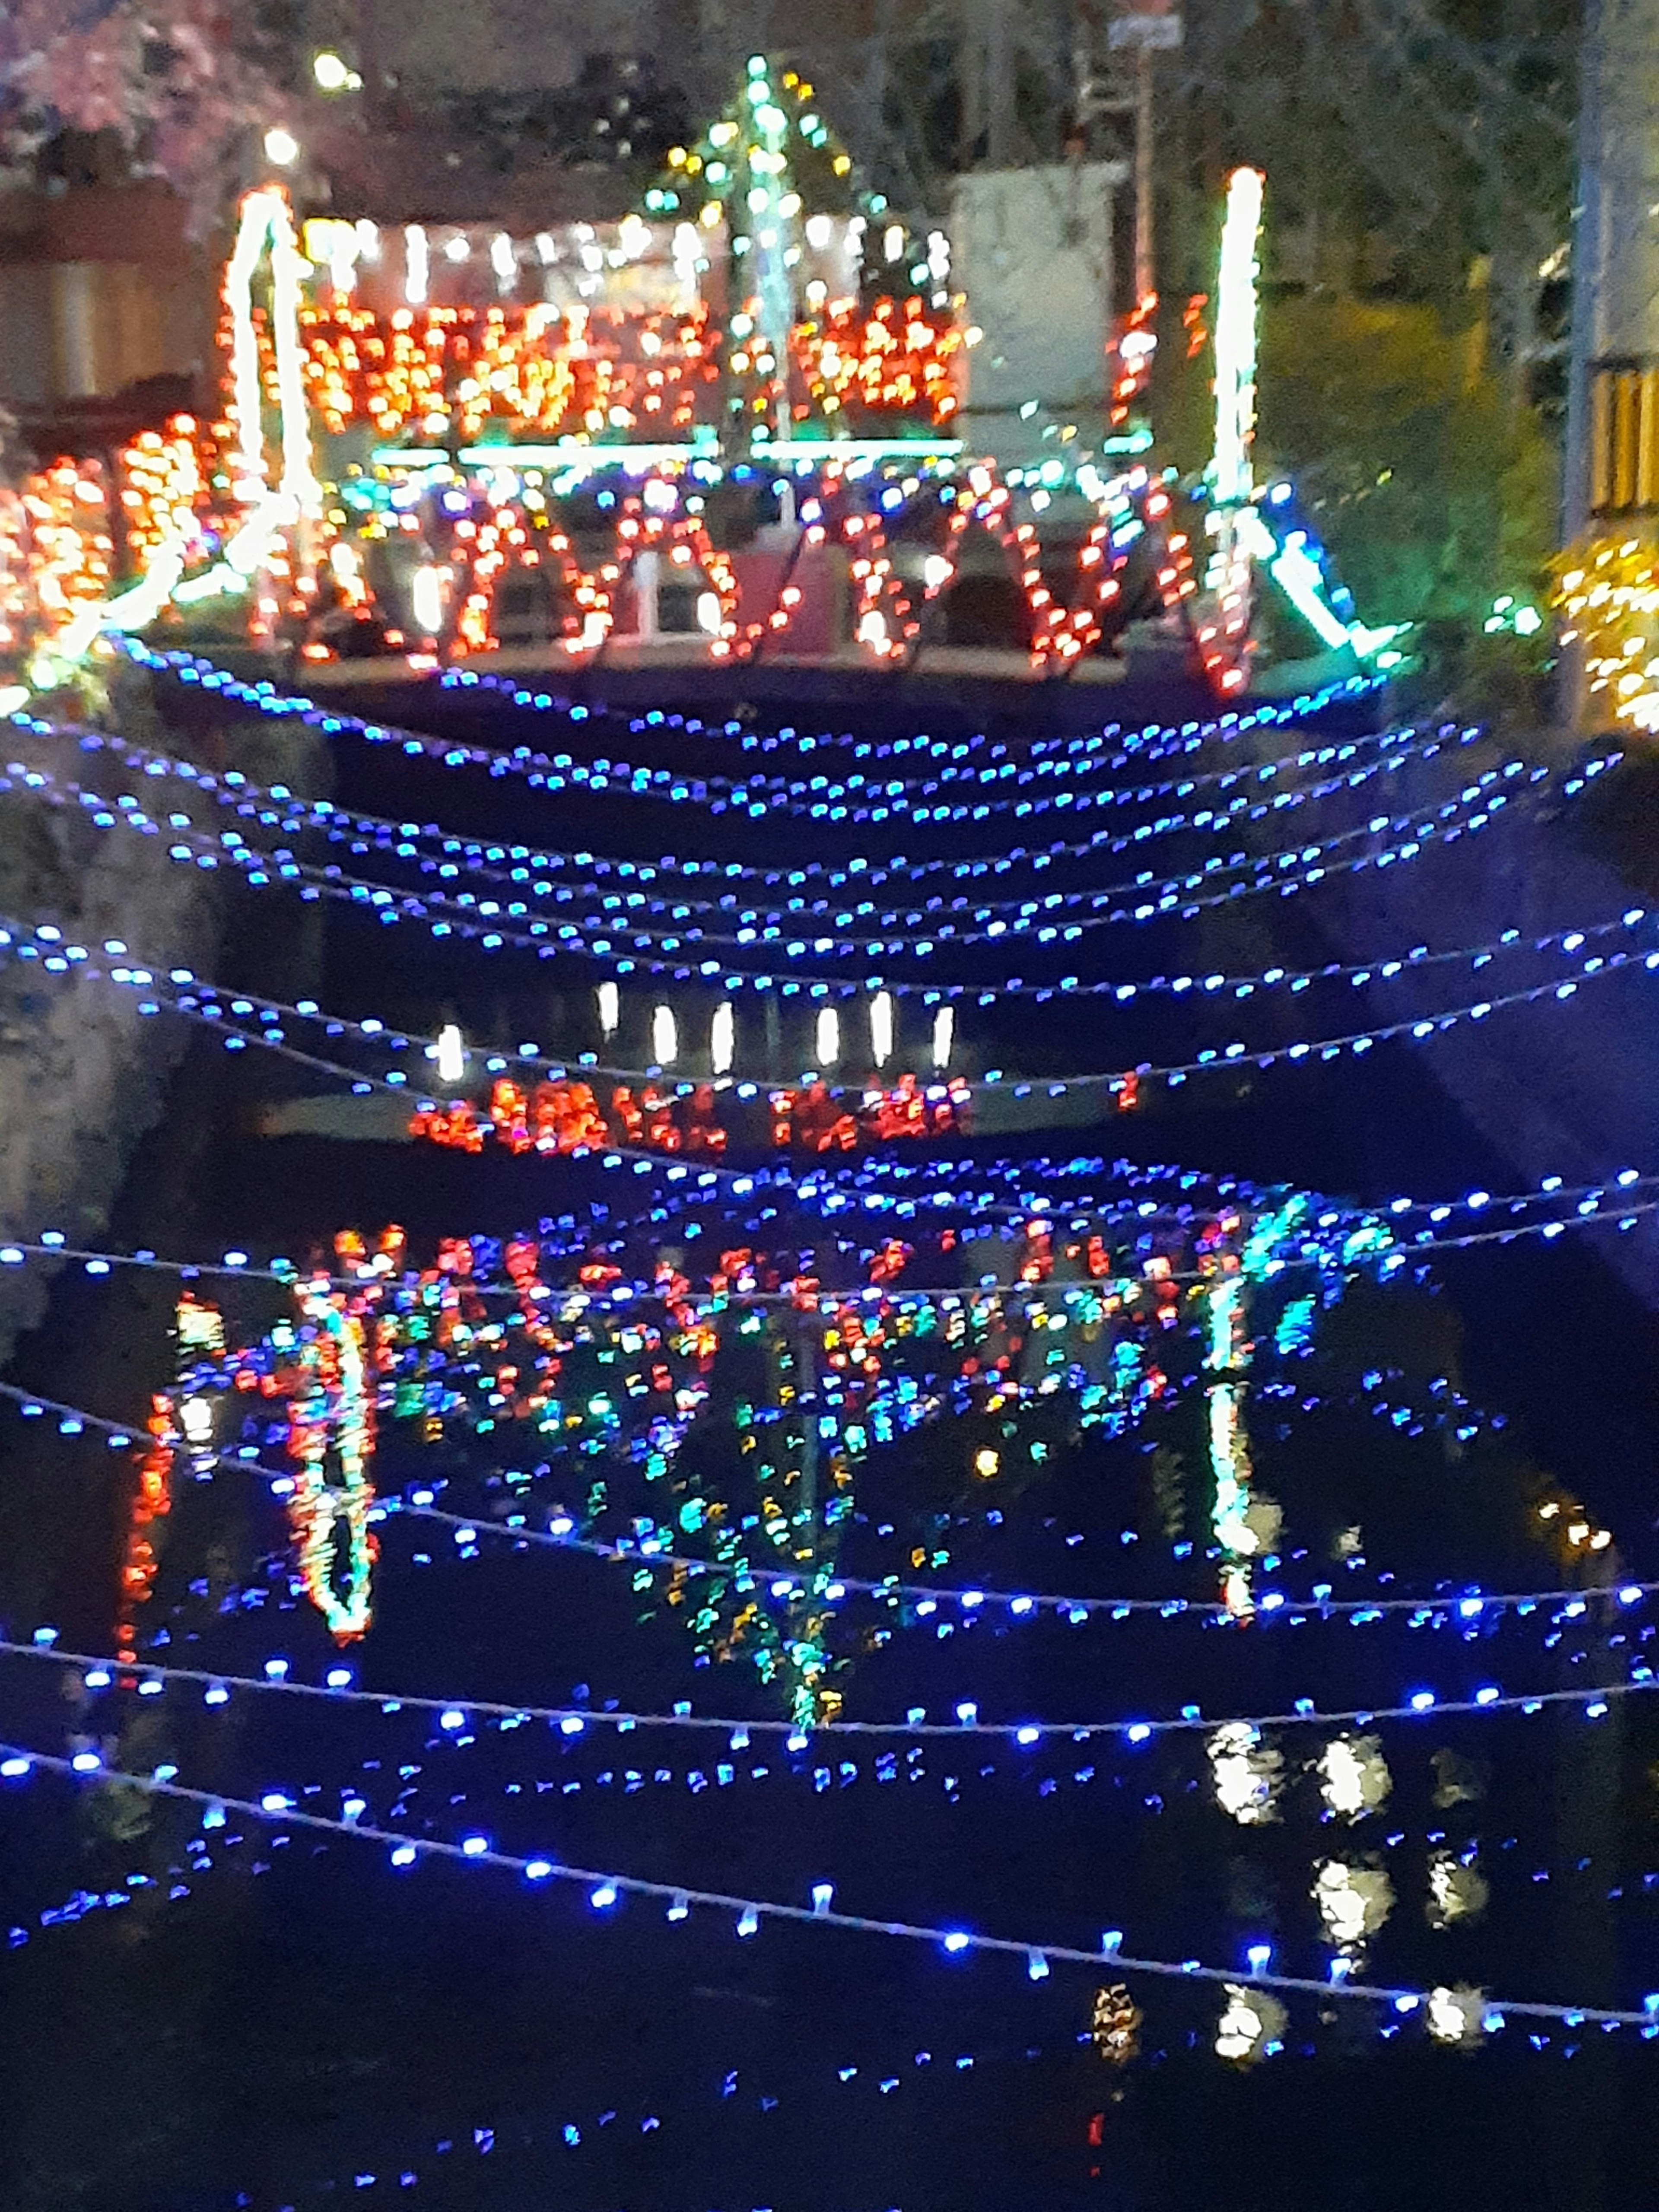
(404, 839)
(752, 799)
(292, 814)
(60, 959)
(837, 874)
(1468, 1606)
(463, 917)
(17, 1763)
(1587, 1198)
(1154, 739)
(572, 1720)
(1420, 1028)
(1242, 985)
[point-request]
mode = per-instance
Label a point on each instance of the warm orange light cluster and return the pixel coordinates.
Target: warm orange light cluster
(889, 359)
(449, 372)
(73, 552)
(152, 1500)
(162, 489)
(528, 533)
(816, 1120)
(1608, 597)
(568, 1117)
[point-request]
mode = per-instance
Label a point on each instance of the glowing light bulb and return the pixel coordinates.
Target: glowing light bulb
(609, 998)
(451, 1054)
(722, 1038)
(282, 147)
(881, 1028)
(417, 265)
(826, 1042)
(944, 1026)
(426, 598)
(330, 73)
(665, 1036)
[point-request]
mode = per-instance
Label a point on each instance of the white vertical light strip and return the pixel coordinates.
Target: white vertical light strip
(417, 265)
(1236, 339)
(609, 998)
(826, 1042)
(451, 1054)
(665, 1036)
(945, 1029)
(287, 266)
(426, 598)
(722, 1038)
(252, 229)
(881, 1028)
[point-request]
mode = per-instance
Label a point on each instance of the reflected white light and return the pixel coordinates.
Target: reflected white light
(609, 998)
(417, 265)
(1457, 2015)
(1248, 1773)
(426, 595)
(1251, 2027)
(881, 1028)
(1354, 1901)
(451, 1054)
(826, 1043)
(945, 1031)
(1457, 1891)
(665, 1036)
(722, 1038)
(1353, 1776)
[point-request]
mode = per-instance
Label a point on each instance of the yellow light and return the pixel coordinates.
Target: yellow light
(987, 1462)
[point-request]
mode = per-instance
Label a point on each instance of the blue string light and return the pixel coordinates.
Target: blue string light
(468, 858)
(1459, 1609)
(619, 939)
(456, 1715)
(20, 1763)
(1268, 715)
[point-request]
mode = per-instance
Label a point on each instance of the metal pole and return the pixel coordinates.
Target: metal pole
(1145, 282)
(1589, 248)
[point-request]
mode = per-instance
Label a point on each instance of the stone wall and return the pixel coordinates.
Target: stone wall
(83, 1075)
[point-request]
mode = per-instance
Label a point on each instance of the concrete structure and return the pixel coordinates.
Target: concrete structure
(100, 295)
(1613, 443)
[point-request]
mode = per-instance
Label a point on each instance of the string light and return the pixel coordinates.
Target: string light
(605, 1889)
(464, 860)
(1355, 1778)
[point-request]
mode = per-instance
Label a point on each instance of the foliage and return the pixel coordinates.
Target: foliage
(165, 77)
